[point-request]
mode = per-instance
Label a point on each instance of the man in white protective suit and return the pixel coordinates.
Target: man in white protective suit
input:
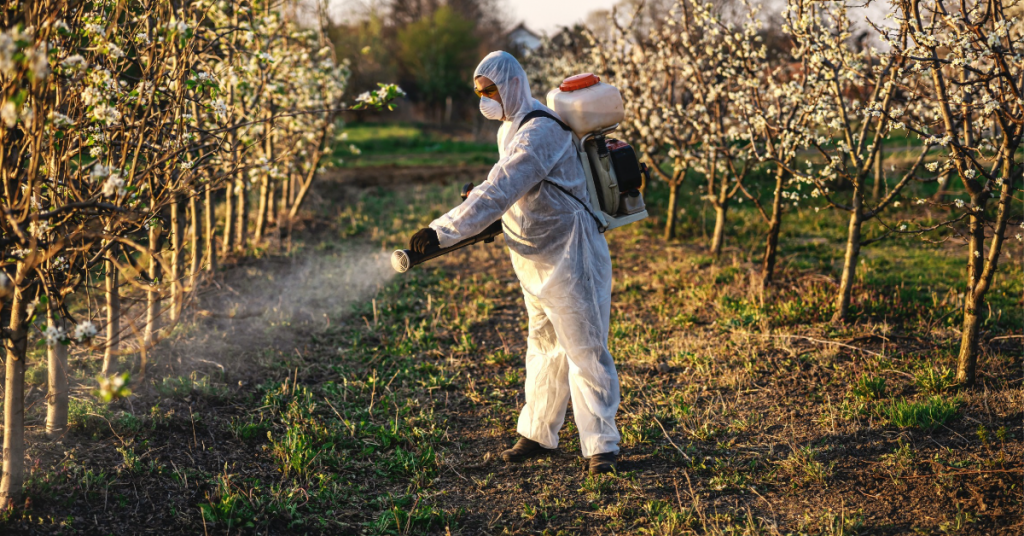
(562, 262)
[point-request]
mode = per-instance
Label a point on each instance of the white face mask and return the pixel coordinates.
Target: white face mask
(491, 109)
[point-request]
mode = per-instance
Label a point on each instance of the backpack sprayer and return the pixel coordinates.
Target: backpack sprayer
(590, 109)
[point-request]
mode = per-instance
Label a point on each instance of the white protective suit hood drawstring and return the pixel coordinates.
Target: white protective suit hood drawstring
(561, 260)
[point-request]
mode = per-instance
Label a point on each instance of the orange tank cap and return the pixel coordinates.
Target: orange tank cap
(579, 81)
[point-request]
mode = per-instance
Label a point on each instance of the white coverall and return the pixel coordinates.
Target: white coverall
(561, 260)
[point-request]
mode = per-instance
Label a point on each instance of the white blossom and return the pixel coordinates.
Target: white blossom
(85, 330)
(54, 335)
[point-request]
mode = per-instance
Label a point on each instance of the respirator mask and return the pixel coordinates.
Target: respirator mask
(491, 109)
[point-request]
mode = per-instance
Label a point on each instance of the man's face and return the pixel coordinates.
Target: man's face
(483, 85)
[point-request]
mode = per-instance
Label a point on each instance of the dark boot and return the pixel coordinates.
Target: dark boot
(524, 450)
(602, 463)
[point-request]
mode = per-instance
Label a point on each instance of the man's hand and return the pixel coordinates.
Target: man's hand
(425, 239)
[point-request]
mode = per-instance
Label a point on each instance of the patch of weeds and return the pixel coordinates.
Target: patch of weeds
(926, 415)
(131, 462)
(727, 477)
(411, 464)
(843, 524)
(159, 418)
(466, 344)
(127, 423)
(638, 432)
(228, 507)
(595, 485)
(501, 358)
(402, 518)
(438, 380)
(705, 432)
(869, 387)
(35, 375)
(84, 413)
(297, 451)
(933, 381)
(743, 312)
(513, 378)
(183, 386)
(663, 519)
(245, 430)
(959, 522)
(684, 320)
(853, 410)
(699, 363)
(899, 460)
(803, 462)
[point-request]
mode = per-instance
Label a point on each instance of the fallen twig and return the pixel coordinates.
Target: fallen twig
(821, 341)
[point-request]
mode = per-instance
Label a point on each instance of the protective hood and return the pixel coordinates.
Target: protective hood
(506, 73)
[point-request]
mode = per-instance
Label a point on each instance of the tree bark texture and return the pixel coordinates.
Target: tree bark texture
(57, 378)
(153, 295)
(229, 217)
(981, 269)
(241, 214)
(671, 215)
(718, 238)
(261, 210)
(209, 229)
(774, 227)
(176, 245)
(113, 316)
(853, 240)
(14, 400)
(196, 249)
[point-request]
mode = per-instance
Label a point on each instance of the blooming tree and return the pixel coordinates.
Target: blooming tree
(116, 119)
(969, 57)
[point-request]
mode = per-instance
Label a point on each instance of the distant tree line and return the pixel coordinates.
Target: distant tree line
(429, 47)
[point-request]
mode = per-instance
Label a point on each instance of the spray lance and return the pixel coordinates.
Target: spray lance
(404, 259)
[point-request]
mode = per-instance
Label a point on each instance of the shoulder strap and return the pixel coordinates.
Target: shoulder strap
(544, 113)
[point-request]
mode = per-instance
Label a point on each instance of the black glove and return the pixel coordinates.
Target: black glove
(424, 240)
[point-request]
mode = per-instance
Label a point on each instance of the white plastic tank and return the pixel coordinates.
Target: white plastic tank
(586, 104)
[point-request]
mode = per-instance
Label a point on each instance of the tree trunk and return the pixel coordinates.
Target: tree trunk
(209, 244)
(852, 256)
(229, 217)
(673, 201)
(774, 226)
(176, 245)
(57, 379)
(876, 187)
(980, 272)
(719, 235)
(241, 214)
(261, 211)
(113, 316)
(193, 237)
(14, 401)
(153, 294)
(286, 197)
(271, 217)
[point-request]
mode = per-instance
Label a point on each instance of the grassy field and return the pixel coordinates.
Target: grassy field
(373, 145)
(316, 392)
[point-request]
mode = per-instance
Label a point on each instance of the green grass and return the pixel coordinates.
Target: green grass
(926, 415)
(406, 145)
(869, 387)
